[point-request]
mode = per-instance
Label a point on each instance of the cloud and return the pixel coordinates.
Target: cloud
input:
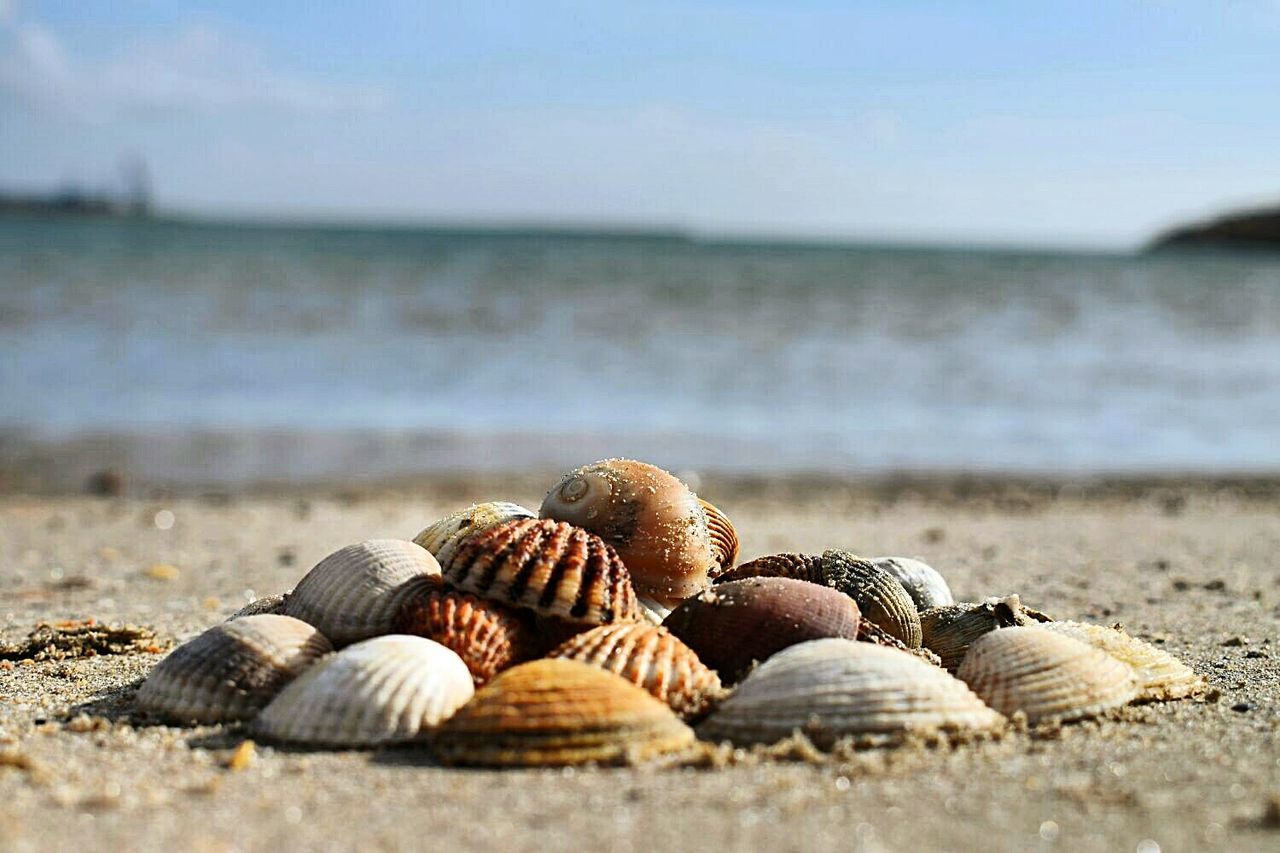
(193, 69)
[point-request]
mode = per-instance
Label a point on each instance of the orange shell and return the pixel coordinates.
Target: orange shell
(486, 635)
(724, 538)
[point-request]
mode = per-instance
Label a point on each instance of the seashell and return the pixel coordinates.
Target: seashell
(653, 658)
(724, 537)
(1161, 676)
(880, 597)
(734, 624)
(357, 591)
(383, 690)
(652, 611)
(922, 582)
(870, 632)
(560, 712)
(446, 534)
(948, 631)
(486, 635)
(833, 689)
(232, 670)
(549, 567)
(270, 604)
(653, 520)
(1045, 675)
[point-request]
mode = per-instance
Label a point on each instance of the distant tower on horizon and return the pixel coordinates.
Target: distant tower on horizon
(137, 185)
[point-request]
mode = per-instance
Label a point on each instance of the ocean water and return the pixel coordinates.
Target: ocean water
(243, 352)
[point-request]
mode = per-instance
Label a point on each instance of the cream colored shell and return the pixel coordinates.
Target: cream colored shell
(926, 586)
(1045, 675)
(834, 688)
(447, 533)
(1161, 676)
(384, 690)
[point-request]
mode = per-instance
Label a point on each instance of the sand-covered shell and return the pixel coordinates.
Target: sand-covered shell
(549, 567)
(833, 689)
(1161, 676)
(385, 690)
(357, 591)
(1045, 675)
(651, 657)
(880, 597)
(948, 631)
(926, 586)
(653, 520)
(734, 624)
(557, 712)
(231, 671)
(259, 606)
(724, 537)
(488, 636)
(446, 534)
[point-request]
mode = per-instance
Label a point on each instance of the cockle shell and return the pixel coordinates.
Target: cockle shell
(949, 630)
(880, 597)
(734, 624)
(384, 690)
(1045, 675)
(549, 567)
(560, 712)
(1161, 676)
(486, 635)
(653, 520)
(724, 537)
(651, 657)
(922, 581)
(357, 591)
(232, 670)
(446, 534)
(833, 689)
(270, 604)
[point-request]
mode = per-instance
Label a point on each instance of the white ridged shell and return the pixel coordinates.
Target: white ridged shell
(831, 689)
(384, 690)
(1161, 676)
(447, 533)
(922, 581)
(1045, 675)
(232, 670)
(357, 592)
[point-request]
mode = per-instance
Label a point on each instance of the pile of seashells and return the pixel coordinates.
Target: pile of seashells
(608, 626)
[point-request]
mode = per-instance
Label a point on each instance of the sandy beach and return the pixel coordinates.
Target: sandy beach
(1190, 566)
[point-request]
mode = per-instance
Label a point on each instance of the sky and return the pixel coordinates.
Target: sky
(1061, 124)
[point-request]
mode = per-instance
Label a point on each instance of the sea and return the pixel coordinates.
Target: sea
(240, 352)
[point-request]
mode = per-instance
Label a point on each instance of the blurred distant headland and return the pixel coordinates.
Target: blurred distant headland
(1259, 228)
(74, 201)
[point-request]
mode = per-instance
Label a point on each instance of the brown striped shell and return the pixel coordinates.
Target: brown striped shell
(734, 624)
(834, 689)
(486, 635)
(651, 657)
(386, 689)
(357, 592)
(653, 520)
(560, 712)
(1161, 676)
(948, 631)
(549, 567)
(880, 597)
(442, 537)
(231, 671)
(1045, 675)
(724, 538)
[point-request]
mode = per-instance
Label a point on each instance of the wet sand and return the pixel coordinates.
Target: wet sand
(1194, 567)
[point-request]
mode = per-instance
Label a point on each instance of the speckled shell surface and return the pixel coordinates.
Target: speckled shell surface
(549, 567)
(1045, 675)
(384, 690)
(231, 671)
(488, 636)
(271, 604)
(651, 657)
(1161, 676)
(655, 522)
(357, 591)
(724, 538)
(558, 712)
(832, 689)
(926, 586)
(442, 537)
(949, 630)
(734, 624)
